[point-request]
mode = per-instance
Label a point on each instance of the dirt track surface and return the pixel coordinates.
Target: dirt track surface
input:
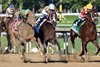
(13, 60)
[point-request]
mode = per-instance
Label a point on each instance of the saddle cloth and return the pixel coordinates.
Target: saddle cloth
(77, 28)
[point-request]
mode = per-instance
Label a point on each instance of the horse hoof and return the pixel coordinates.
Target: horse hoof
(25, 61)
(7, 52)
(28, 60)
(45, 62)
(80, 55)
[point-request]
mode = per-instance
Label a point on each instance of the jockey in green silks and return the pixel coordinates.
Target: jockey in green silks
(20, 15)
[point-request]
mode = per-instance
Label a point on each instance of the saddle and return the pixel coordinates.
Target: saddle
(76, 26)
(16, 23)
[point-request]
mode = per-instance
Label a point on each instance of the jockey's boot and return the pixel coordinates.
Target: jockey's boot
(40, 20)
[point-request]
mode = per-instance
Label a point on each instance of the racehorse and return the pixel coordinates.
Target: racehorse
(47, 34)
(88, 32)
(3, 29)
(24, 34)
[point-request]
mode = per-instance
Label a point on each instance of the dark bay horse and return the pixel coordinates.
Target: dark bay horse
(88, 32)
(3, 29)
(24, 34)
(47, 34)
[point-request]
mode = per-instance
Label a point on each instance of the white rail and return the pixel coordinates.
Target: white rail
(39, 14)
(64, 14)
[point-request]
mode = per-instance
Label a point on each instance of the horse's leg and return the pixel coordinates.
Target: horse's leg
(58, 45)
(83, 47)
(0, 44)
(22, 50)
(35, 40)
(45, 52)
(9, 43)
(72, 37)
(86, 48)
(9, 49)
(51, 48)
(95, 42)
(23, 57)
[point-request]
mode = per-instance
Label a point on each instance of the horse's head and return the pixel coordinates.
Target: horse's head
(52, 18)
(31, 18)
(93, 14)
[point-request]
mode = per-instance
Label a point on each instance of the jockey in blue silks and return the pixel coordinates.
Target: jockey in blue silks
(45, 13)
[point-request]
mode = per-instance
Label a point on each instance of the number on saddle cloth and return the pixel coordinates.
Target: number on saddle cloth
(77, 22)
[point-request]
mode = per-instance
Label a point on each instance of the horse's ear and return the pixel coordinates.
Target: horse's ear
(94, 7)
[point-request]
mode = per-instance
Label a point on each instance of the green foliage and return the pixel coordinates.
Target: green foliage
(70, 4)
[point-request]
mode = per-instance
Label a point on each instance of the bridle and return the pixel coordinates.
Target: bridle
(94, 16)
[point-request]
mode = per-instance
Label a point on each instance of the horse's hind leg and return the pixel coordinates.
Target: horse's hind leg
(58, 45)
(45, 52)
(0, 46)
(95, 42)
(22, 53)
(22, 50)
(9, 49)
(35, 40)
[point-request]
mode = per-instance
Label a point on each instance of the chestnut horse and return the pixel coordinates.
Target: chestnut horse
(24, 34)
(88, 32)
(47, 34)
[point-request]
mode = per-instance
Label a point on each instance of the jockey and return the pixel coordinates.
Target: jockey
(10, 10)
(45, 13)
(83, 13)
(20, 15)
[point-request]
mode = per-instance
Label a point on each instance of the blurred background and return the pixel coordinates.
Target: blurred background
(37, 5)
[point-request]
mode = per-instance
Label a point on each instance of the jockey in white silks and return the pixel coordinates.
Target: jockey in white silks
(45, 13)
(10, 10)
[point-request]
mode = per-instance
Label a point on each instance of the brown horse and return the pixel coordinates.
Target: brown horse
(24, 34)
(88, 32)
(47, 34)
(3, 29)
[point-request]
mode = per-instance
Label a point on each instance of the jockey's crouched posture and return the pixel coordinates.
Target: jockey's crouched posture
(83, 14)
(20, 15)
(10, 10)
(45, 13)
